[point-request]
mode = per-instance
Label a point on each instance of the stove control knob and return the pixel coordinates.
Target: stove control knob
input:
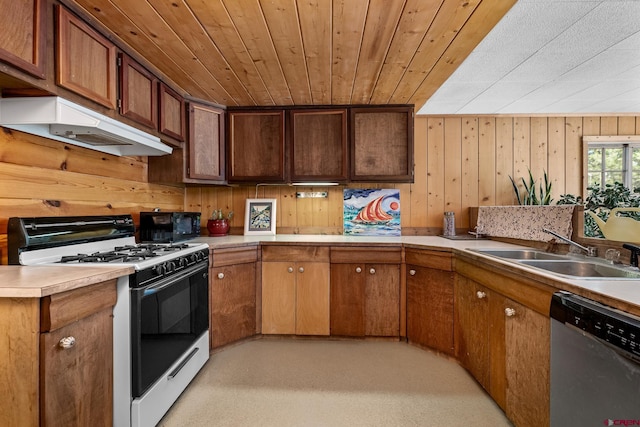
(183, 262)
(169, 266)
(159, 269)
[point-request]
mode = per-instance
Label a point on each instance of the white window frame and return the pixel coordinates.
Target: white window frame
(609, 141)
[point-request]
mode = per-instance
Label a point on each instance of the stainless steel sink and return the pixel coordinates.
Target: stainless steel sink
(583, 269)
(563, 265)
(520, 254)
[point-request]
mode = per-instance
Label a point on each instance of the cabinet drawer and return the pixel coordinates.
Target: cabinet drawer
(231, 256)
(430, 259)
(369, 254)
(295, 253)
(64, 308)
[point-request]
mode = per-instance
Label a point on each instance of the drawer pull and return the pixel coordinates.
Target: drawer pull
(290, 269)
(301, 269)
(220, 275)
(358, 270)
(67, 342)
(372, 271)
(481, 294)
(412, 272)
(510, 312)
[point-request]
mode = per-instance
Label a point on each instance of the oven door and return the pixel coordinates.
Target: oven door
(167, 317)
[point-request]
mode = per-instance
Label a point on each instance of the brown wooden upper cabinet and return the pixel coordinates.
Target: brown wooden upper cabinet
(256, 146)
(206, 142)
(24, 35)
(138, 92)
(172, 113)
(85, 60)
(202, 159)
(148, 101)
(319, 145)
(382, 143)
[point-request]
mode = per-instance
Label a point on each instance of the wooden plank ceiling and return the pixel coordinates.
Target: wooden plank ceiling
(301, 52)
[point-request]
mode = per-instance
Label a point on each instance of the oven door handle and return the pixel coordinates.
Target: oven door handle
(178, 368)
(157, 287)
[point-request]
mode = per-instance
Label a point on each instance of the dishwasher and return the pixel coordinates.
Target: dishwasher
(595, 363)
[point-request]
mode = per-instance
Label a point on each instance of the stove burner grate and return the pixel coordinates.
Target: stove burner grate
(127, 253)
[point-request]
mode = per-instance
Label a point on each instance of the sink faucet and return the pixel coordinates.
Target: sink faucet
(591, 251)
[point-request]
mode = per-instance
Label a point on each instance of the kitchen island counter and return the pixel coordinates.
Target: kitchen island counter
(17, 281)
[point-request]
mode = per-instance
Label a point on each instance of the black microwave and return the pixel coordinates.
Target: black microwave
(167, 227)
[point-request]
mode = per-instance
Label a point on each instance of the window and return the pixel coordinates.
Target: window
(612, 162)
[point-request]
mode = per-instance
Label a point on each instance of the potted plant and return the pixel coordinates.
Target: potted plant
(218, 225)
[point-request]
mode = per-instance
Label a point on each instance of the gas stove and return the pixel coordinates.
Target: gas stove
(92, 240)
(161, 316)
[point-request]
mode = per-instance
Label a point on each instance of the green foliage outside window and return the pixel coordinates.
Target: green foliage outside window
(601, 201)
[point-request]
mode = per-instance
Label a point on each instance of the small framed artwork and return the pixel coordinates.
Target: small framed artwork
(260, 216)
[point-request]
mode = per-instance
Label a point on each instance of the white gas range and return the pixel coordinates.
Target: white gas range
(161, 318)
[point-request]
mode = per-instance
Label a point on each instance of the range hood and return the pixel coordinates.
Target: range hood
(57, 118)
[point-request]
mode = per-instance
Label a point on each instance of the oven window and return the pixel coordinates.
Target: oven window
(164, 325)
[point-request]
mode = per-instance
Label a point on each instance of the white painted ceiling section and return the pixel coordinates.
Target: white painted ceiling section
(551, 57)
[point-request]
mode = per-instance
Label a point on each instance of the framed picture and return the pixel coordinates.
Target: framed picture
(260, 216)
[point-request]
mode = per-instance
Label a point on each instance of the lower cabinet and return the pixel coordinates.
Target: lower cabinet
(57, 361)
(295, 290)
(365, 291)
(232, 296)
(503, 343)
(430, 280)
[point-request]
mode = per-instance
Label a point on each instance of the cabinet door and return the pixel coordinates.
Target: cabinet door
(85, 60)
(347, 299)
(138, 93)
(382, 300)
(318, 150)
(278, 298)
(77, 382)
(256, 146)
(471, 326)
(382, 144)
(206, 142)
(232, 303)
(312, 298)
(24, 35)
(172, 112)
(430, 308)
(527, 337)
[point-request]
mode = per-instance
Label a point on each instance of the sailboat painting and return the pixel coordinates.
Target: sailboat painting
(371, 212)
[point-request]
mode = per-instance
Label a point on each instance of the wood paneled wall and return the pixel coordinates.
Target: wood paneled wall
(42, 177)
(460, 162)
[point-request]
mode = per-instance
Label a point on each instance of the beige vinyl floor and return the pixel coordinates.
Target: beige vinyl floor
(293, 382)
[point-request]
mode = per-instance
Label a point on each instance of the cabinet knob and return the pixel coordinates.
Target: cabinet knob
(67, 342)
(481, 294)
(220, 275)
(412, 272)
(301, 269)
(372, 270)
(358, 270)
(290, 269)
(510, 312)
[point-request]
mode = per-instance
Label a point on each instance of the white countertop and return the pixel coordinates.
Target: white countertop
(627, 291)
(23, 281)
